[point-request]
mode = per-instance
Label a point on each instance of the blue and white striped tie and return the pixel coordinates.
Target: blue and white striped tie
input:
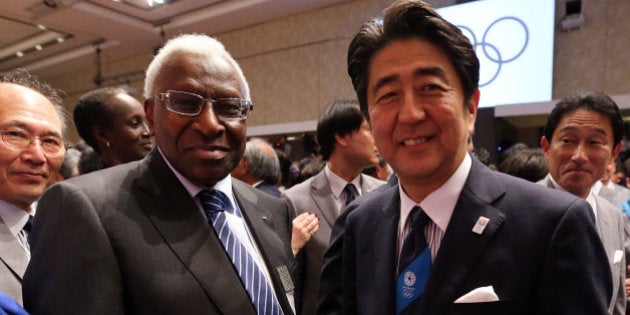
(260, 292)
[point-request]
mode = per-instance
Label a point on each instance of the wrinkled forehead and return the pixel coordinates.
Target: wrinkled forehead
(19, 103)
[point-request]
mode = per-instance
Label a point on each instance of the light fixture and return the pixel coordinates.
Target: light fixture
(19, 54)
(38, 47)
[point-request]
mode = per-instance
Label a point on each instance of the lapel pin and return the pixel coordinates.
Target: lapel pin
(481, 224)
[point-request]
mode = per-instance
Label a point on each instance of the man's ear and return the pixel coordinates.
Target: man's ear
(544, 144)
(341, 139)
(148, 111)
(473, 105)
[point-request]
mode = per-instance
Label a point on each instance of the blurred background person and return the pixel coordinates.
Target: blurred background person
(259, 167)
(380, 171)
(113, 123)
(529, 164)
(609, 189)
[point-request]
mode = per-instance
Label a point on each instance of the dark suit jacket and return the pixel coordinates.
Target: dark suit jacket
(315, 196)
(540, 251)
(130, 239)
(269, 188)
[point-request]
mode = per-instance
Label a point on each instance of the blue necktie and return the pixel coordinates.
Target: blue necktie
(260, 292)
(414, 264)
(351, 193)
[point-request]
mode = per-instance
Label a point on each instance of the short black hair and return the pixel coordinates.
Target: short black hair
(592, 101)
(411, 19)
(341, 117)
(94, 109)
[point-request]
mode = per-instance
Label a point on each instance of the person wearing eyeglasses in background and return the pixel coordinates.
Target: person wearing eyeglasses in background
(173, 233)
(31, 153)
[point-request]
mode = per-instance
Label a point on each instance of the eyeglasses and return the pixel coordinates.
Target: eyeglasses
(21, 139)
(191, 104)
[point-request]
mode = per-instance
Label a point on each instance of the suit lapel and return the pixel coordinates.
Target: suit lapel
(266, 239)
(324, 199)
(449, 273)
(178, 220)
(12, 253)
(384, 237)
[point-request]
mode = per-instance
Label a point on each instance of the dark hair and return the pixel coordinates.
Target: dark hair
(25, 79)
(341, 117)
(94, 109)
(529, 164)
(411, 19)
(592, 101)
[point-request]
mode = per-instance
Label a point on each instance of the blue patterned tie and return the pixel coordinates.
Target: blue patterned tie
(414, 264)
(260, 292)
(351, 193)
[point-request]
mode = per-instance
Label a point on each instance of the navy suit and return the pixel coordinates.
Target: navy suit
(540, 251)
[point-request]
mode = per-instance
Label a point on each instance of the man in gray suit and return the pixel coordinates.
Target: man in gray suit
(31, 153)
(348, 147)
(582, 137)
(609, 190)
(173, 233)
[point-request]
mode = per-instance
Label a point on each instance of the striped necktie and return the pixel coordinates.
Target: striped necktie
(260, 291)
(414, 264)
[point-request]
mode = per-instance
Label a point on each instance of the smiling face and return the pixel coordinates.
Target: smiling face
(129, 137)
(417, 109)
(202, 148)
(581, 147)
(26, 172)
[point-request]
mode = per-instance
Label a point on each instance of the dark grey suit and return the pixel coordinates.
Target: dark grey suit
(315, 195)
(540, 251)
(130, 239)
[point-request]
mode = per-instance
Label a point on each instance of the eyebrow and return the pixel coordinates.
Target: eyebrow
(23, 125)
(427, 71)
(574, 127)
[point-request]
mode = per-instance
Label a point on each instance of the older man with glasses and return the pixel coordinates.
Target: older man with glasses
(173, 233)
(31, 153)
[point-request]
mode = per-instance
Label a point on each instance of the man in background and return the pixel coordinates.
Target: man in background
(348, 147)
(259, 167)
(582, 138)
(31, 153)
(452, 236)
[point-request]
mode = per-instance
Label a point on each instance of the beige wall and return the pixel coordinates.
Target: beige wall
(296, 65)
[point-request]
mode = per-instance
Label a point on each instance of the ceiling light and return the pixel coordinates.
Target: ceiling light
(38, 47)
(41, 27)
(19, 54)
(60, 39)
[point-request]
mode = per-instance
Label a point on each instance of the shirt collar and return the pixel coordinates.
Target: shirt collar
(224, 185)
(590, 198)
(337, 184)
(440, 204)
(14, 217)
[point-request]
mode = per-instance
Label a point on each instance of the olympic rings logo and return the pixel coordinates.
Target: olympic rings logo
(491, 51)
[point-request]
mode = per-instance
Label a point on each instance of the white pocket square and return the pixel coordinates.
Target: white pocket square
(617, 256)
(478, 295)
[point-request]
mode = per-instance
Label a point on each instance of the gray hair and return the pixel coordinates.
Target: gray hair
(263, 160)
(188, 45)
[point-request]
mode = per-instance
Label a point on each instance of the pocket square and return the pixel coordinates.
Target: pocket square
(478, 295)
(617, 256)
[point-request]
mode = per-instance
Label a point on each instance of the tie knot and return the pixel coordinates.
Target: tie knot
(350, 192)
(214, 201)
(418, 218)
(29, 224)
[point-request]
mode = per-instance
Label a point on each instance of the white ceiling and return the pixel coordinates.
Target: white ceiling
(120, 28)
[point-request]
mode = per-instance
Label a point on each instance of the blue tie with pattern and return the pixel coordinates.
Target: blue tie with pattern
(414, 264)
(260, 292)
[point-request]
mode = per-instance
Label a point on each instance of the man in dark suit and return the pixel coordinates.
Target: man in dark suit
(582, 137)
(453, 237)
(348, 147)
(148, 237)
(259, 167)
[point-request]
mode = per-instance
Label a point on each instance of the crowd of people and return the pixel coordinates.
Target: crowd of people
(166, 206)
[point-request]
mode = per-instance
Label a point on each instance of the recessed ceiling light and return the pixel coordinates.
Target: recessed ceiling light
(38, 47)
(41, 27)
(60, 39)
(19, 54)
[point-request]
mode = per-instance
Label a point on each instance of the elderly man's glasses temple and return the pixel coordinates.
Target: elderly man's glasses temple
(191, 104)
(20, 139)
